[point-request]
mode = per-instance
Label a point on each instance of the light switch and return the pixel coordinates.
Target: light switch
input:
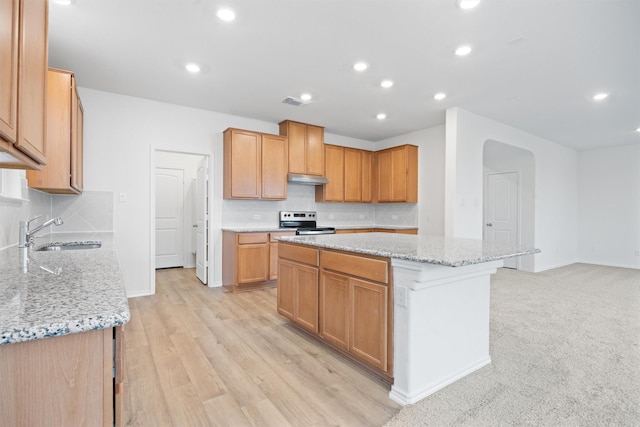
(123, 197)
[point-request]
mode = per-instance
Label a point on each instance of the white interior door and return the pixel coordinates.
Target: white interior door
(501, 220)
(202, 221)
(169, 218)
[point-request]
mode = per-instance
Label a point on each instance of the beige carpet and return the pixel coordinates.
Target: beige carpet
(565, 349)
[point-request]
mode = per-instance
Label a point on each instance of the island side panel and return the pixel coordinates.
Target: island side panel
(441, 325)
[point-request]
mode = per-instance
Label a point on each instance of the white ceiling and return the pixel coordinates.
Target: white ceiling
(564, 52)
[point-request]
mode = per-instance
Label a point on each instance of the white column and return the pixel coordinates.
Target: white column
(441, 325)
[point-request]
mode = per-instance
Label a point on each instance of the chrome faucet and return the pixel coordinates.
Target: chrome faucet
(26, 237)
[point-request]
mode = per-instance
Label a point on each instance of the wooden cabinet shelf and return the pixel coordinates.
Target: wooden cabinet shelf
(255, 165)
(23, 83)
(63, 173)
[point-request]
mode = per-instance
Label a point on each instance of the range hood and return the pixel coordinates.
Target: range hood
(298, 178)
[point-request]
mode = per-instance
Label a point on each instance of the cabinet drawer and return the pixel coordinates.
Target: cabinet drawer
(297, 253)
(273, 237)
(359, 266)
(252, 238)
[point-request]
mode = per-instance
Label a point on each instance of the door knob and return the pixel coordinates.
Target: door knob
(489, 224)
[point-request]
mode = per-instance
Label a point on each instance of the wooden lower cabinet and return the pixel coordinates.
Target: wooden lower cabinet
(368, 309)
(353, 308)
(67, 380)
(353, 316)
(334, 309)
(252, 266)
(298, 287)
(249, 260)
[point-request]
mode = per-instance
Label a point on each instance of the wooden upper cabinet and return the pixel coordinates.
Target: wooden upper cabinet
(77, 142)
(242, 162)
(349, 173)
(352, 175)
(397, 174)
(32, 79)
(367, 176)
(9, 13)
(63, 172)
(23, 82)
(274, 167)
(306, 147)
(334, 171)
(255, 165)
(315, 150)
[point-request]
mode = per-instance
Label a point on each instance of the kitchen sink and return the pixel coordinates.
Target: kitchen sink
(69, 246)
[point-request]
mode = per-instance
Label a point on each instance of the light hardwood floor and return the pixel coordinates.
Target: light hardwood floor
(197, 356)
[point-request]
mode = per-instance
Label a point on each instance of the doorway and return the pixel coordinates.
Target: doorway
(179, 213)
(509, 199)
(501, 216)
(170, 212)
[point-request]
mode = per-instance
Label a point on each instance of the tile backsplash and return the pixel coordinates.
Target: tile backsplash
(93, 211)
(247, 213)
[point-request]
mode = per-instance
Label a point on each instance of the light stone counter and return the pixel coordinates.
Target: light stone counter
(268, 229)
(418, 248)
(61, 292)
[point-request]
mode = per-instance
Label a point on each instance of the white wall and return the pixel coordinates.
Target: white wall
(609, 206)
(431, 173)
(122, 132)
(556, 185)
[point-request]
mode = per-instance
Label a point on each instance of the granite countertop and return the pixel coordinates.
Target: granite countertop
(62, 292)
(427, 249)
(267, 229)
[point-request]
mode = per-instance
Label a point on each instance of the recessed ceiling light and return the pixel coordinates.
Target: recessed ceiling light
(600, 96)
(463, 50)
(305, 97)
(63, 2)
(386, 84)
(381, 116)
(360, 66)
(192, 68)
(638, 129)
(439, 96)
(467, 4)
(226, 14)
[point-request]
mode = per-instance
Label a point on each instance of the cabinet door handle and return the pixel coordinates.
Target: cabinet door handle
(489, 224)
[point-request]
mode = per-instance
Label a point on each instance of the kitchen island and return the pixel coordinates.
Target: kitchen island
(61, 322)
(436, 301)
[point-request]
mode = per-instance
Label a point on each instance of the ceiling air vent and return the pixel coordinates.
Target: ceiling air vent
(296, 102)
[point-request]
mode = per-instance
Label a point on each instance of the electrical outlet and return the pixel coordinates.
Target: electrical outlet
(256, 217)
(361, 216)
(332, 216)
(394, 216)
(401, 296)
(123, 197)
(637, 253)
